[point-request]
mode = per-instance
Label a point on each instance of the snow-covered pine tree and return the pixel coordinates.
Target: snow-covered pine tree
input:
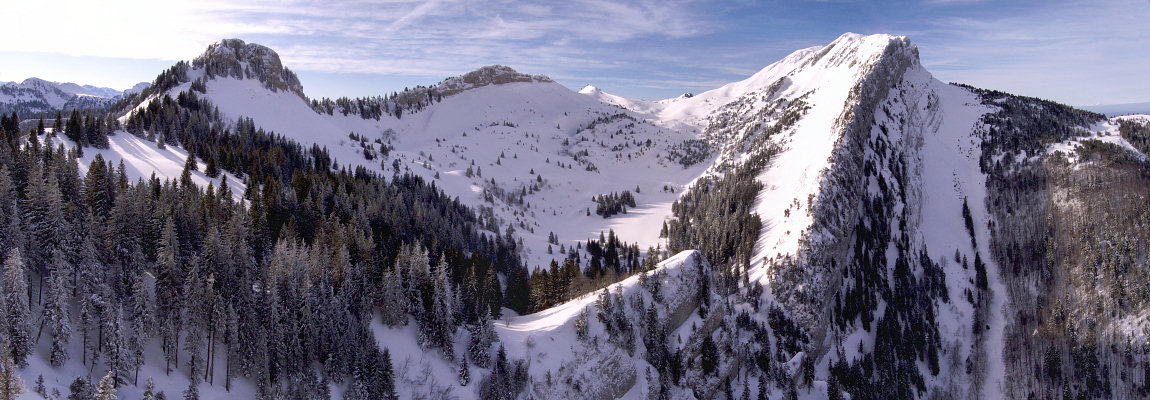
(443, 322)
(192, 392)
(106, 389)
(81, 389)
(482, 336)
(197, 320)
(10, 233)
(168, 291)
(55, 314)
(231, 341)
(392, 301)
(40, 389)
(116, 349)
(149, 391)
(17, 312)
(141, 323)
(464, 371)
(92, 292)
(11, 386)
(44, 221)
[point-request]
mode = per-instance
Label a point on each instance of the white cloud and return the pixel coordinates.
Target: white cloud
(1076, 52)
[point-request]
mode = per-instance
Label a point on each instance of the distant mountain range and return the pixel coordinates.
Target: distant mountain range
(1114, 110)
(35, 95)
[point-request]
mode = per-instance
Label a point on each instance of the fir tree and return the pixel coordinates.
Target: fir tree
(81, 389)
(10, 232)
(11, 386)
(392, 302)
(168, 302)
(40, 389)
(198, 315)
(55, 315)
(211, 169)
(149, 391)
(116, 349)
(18, 321)
(464, 372)
(192, 392)
(141, 323)
(106, 389)
(482, 336)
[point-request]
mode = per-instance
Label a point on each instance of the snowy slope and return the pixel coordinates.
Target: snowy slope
(37, 95)
(529, 154)
(553, 150)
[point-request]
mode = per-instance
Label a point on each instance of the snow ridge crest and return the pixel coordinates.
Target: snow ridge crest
(237, 59)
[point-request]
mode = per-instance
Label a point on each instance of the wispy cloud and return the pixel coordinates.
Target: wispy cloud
(1070, 50)
(1078, 52)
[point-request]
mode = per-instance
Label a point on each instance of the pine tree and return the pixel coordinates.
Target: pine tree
(17, 319)
(141, 324)
(91, 294)
(443, 314)
(392, 302)
(98, 190)
(106, 389)
(11, 386)
(44, 220)
(762, 387)
(75, 128)
(55, 315)
(482, 336)
(116, 349)
(212, 170)
(168, 293)
(192, 392)
(387, 378)
(40, 389)
(10, 232)
(149, 391)
(834, 392)
(198, 314)
(81, 389)
(464, 372)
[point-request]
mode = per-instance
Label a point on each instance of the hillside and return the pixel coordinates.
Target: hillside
(840, 223)
(35, 95)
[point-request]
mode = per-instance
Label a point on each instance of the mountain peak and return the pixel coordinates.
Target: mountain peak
(241, 60)
(851, 48)
(589, 89)
(484, 76)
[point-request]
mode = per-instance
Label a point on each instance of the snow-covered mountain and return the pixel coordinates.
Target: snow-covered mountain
(35, 95)
(837, 218)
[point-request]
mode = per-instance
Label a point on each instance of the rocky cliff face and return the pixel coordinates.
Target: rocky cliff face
(234, 58)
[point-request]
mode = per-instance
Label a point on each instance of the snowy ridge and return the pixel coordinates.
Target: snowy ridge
(237, 59)
(549, 342)
(35, 95)
(489, 75)
(530, 142)
(867, 164)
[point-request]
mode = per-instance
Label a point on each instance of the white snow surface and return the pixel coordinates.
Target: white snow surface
(543, 132)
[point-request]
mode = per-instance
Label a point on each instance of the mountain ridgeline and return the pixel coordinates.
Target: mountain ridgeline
(838, 224)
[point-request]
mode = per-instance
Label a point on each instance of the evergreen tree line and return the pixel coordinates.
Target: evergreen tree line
(375, 107)
(613, 203)
(1069, 240)
(608, 260)
(294, 271)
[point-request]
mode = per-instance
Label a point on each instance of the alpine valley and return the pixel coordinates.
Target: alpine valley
(839, 225)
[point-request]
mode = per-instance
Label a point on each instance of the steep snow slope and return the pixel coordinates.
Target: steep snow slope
(538, 152)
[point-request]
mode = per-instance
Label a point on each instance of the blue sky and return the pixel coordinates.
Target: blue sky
(1077, 52)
